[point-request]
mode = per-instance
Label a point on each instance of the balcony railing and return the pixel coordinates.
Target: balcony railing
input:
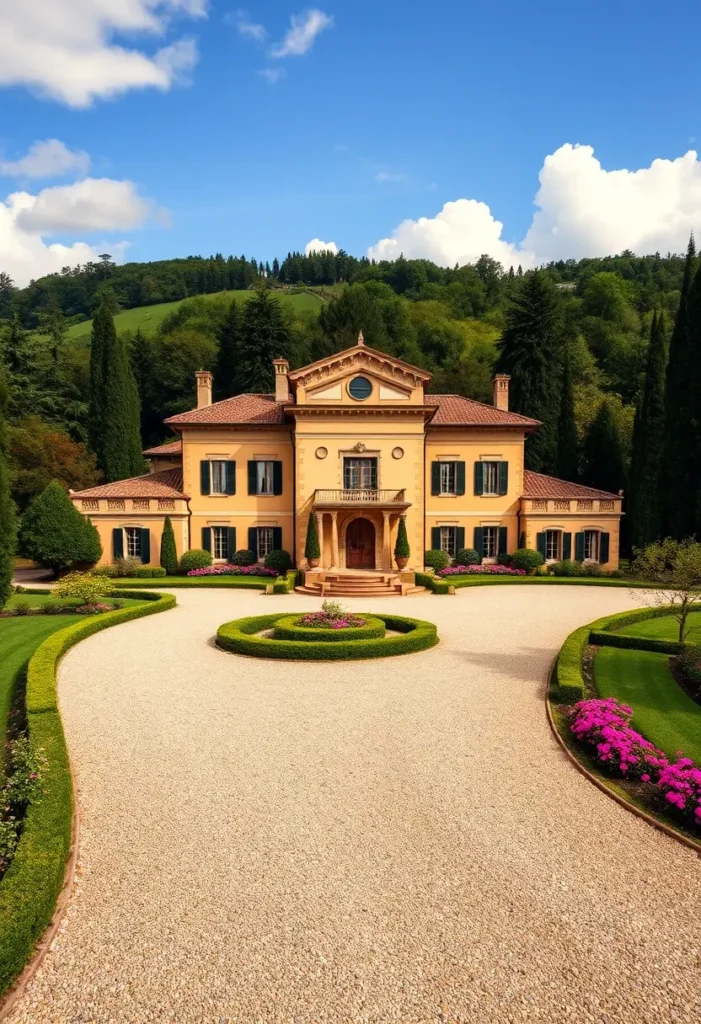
(359, 496)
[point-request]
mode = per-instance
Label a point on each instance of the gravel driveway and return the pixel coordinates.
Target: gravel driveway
(390, 841)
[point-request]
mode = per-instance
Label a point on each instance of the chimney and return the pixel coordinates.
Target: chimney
(204, 388)
(282, 384)
(501, 392)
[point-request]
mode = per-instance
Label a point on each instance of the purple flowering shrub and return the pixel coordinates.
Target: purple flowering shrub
(480, 570)
(233, 570)
(322, 620)
(603, 727)
(679, 786)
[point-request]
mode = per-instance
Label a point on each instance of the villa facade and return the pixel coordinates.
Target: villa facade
(358, 441)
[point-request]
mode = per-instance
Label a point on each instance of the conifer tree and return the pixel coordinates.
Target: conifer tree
(120, 442)
(529, 352)
(8, 519)
(54, 533)
(264, 336)
(567, 443)
(680, 432)
(169, 553)
(99, 340)
(311, 548)
(604, 461)
(226, 371)
(645, 491)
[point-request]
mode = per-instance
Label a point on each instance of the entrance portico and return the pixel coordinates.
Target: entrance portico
(356, 527)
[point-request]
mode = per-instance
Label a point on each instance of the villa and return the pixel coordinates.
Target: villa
(358, 441)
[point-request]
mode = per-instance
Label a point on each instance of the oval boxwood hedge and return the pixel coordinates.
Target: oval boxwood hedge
(239, 636)
(30, 888)
(287, 628)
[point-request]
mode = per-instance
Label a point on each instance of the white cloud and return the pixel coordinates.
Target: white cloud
(272, 75)
(241, 20)
(304, 29)
(50, 158)
(93, 204)
(384, 176)
(316, 245)
(583, 210)
(64, 49)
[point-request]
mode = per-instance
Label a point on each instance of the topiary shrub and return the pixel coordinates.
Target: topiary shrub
(436, 559)
(53, 532)
(169, 554)
(150, 572)
(311, 548)
(279, 560)
(468, 556)
(566, 568)
(401, 547)
(86, 586)
(526, 559)
(195, 559)
(244, 557)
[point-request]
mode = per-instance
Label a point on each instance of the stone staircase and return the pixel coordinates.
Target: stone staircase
(360, 584)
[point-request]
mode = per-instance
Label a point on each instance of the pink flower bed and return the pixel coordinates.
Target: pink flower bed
(233, 570)
(679, 786)
(323, 621)
(480, 570)
(603, 727)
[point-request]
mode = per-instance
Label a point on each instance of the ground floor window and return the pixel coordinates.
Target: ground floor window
(591, 545)
(265, 541)
(490, 547)
(220, 544)
(448, 540)
(552, 545)
(133, 535)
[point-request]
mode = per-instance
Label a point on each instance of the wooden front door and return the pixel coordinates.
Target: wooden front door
(360, 545)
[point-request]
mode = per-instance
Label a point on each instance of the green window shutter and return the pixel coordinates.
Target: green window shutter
(204, 477)
(579, 547)
(604, 546)
(231, 477)
(459, 534)
(118, 542)
(435, 533)
(277, 538)
(567, 545)
(479, 479)
(435, 478)
(253, 536)
(503, 534)
(206, 538)
(540, 543)
(145, 546)
(459, 477)
(252, 477)
(277, 477)
(503, 477)
(478, 542)
(230, 542)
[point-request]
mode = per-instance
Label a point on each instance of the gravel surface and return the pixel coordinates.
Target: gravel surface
(393, 841)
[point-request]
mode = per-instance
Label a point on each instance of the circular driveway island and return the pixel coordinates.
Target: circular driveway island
(398, 840)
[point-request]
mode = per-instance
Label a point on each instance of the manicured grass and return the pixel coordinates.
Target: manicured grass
(666, 628)
(33, 600)
(167, 582)
(552, 581)
(663, 712)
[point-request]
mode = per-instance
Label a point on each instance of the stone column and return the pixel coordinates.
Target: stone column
(320, 531)
(386, 553)
(334, 540)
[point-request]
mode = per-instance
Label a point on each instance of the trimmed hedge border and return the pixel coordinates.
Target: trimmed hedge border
(29, 890)
(425, 579)
(280, 585)
(287, 628)
(553, 581)
(602, 638)
(238, 637)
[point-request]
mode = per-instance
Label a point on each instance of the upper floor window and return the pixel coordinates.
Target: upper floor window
(447, 477)
(217, 476)
(360, 474)
(265, 476)
(491, 477)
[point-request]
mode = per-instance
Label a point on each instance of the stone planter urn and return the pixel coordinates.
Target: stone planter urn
(401, 562)
(313, 562)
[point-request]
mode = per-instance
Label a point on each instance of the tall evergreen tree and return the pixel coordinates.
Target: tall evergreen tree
(680, 432)
(529, 351)
(567, 443)
(54, 533)
(8, 518)
(120, 442)
(169, 554)
(645, 488)
(604, 460)
(102, 331)
(265, 336)
(226, 371)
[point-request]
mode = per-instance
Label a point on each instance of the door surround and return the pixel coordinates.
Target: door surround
(371, 516)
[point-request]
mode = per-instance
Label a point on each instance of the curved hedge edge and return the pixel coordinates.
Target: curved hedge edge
(424, 579)
(602, 638)
(237, 637)
(35, 878)
(286, 629)
(610, 623)
(601, 783)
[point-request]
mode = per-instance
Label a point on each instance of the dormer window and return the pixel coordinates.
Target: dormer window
(360, 388)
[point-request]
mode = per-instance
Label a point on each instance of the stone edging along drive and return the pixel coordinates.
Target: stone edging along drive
(41, 873)
(239, 636)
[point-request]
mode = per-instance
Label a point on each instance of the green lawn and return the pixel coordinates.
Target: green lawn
(167, 582)
(665, 628)
(663, 712)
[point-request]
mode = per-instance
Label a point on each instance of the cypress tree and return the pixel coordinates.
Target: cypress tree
(693, 397)
(54, 533)
(8, 518)
(645, 491)
(604, 460)
(680, 433)
(311, 548)
(567, 444)
(529, 351)
(98, 345)
(169, 554)
(264, 336)
(226, 371)
(120, 442)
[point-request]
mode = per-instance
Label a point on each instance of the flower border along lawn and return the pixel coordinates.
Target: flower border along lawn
(31, 886)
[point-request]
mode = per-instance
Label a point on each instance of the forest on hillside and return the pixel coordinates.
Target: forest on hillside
(575, 335)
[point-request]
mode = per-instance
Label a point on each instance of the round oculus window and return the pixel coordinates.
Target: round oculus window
(360, 388)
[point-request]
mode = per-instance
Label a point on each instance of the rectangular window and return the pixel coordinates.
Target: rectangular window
(265, 541)
(360, 474)
(490, 478)
(217, 470)
(552, 545)
(133, 534)
(220, 549)
(265, 481)
(491, 541)
(448, 540)
(591, 545)
(447, 477)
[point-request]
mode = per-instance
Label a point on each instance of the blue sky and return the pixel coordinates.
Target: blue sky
(394, 110)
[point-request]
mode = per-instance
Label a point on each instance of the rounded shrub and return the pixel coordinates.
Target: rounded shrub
(195, 559)
(436, 559)
(243, 557)
(289, 628)
(566, 568)
(526, 559)
(468, 556)
(592, 569)
(279, 560)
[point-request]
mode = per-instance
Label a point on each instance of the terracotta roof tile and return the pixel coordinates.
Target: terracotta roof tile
(454, 410)
(169, 448)
(240, 409)
(537, 485)
(166, 484)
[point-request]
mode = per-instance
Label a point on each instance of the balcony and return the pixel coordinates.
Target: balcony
(360, 496)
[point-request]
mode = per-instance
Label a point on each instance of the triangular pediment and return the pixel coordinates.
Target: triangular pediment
(389, 371)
